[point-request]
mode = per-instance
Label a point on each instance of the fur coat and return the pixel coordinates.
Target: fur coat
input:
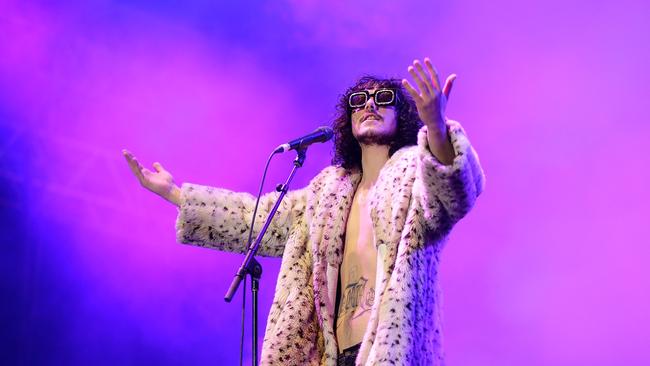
(414, 204)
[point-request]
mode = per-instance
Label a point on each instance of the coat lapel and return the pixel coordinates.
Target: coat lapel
(327, 230)
(390, 199)
(389, 207)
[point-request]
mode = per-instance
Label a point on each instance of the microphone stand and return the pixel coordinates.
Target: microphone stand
(251, 266)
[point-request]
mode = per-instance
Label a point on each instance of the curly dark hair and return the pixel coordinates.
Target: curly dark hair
(347, 151)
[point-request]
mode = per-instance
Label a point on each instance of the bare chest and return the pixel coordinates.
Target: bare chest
(358, 272)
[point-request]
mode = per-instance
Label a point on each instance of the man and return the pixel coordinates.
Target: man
(360, 244)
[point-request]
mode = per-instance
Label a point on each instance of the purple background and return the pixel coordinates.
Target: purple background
(550, 268)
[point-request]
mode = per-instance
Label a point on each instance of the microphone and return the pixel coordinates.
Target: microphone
(321, 134)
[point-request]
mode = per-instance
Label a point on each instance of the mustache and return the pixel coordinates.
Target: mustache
(368, 115)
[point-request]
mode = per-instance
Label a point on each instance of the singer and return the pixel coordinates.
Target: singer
(361, 244)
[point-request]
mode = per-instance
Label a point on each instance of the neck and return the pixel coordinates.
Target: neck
(373, 158)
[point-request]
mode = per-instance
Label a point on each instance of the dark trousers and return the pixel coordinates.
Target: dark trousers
(348, 356)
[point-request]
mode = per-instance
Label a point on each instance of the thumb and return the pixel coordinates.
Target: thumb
(159, 168)
(449, 83)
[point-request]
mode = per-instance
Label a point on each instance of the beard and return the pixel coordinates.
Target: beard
(376, 138)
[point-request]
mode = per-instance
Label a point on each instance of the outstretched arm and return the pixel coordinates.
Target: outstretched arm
(220, 219)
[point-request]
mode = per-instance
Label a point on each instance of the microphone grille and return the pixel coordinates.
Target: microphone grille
(329, 133)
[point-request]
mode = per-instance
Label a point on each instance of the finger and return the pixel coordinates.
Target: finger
(134, 165)
(159, 168)
(425, 76)
(137, 170)
(418, 80)
(128, 156)
(448, 85)
(130, 159)
(410, 89)
(433, 71)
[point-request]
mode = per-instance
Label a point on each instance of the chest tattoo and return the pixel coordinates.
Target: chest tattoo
(357, 299)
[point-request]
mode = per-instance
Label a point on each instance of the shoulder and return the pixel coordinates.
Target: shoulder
(333, 182)
(421, 149)
(332, 173)
(405, 156)
(411, 152)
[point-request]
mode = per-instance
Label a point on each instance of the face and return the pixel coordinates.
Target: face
(372, 124)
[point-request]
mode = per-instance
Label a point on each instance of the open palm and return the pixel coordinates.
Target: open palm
(159, 181)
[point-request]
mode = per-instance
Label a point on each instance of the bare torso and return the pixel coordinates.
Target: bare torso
(358, 271)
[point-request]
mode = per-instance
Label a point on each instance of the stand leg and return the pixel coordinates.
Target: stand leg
(256, 274)
(255, 288)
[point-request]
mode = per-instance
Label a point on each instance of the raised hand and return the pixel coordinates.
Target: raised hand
(158, 181)
(431, 99)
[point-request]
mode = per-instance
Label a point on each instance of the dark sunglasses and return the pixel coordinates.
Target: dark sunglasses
(382, 97)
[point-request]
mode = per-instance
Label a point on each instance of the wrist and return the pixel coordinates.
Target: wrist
(174, 195)
(437, 131)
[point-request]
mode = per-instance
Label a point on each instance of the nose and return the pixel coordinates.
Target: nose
(370, 104)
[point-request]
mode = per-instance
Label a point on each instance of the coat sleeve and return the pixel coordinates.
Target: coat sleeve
(448, 192)
(220, 219)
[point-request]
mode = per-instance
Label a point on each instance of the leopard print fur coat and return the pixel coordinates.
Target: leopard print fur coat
(414, 204)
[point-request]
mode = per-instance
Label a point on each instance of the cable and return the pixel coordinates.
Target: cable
(250, 239)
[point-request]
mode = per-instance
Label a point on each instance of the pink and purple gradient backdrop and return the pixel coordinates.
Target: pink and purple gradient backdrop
(550, 268)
